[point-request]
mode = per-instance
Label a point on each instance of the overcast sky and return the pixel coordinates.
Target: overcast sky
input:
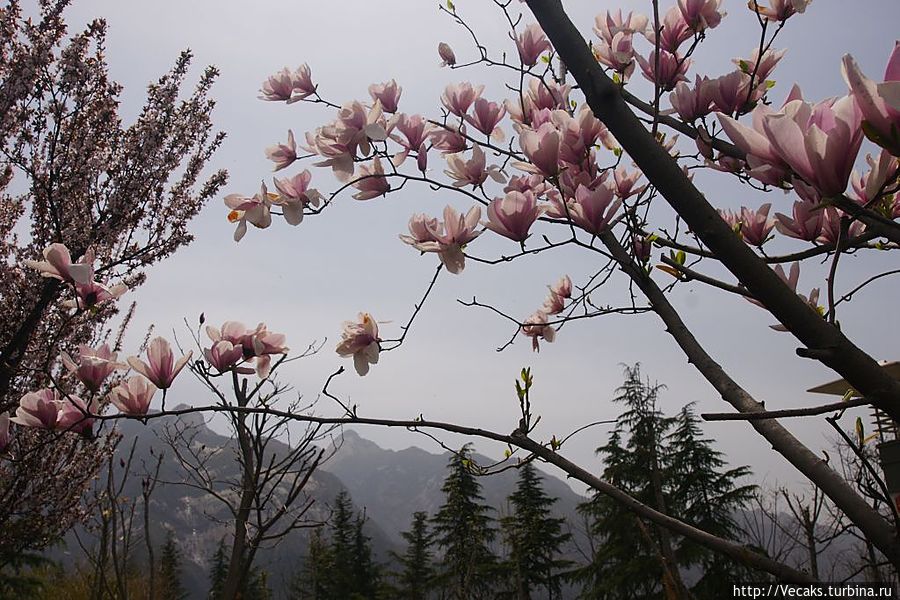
(304, 281)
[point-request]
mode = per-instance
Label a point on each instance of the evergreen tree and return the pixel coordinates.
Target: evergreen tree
(463, 530)
(218, 571)
(170, 586)
(666, 463)
(415, 578)
(312, 582)
(257, 585)
(534, 538)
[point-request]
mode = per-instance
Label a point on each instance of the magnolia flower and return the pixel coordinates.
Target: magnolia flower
(223, 355)
(485, 117)
(531, 43)
(58, 264)
(255, 209)
(606, 27)
(283, 155)
(593, 210)
(729, 93)
(513, 215)
(449, 141)
(75, 415)
(756, 225)
(38, 409)
(93, 294)
(541, 147)
(691, 104)
(879, 102)
(536, 328)
(289, 86)
(448, 58)
(625, 183)
(4, 431)
(447, 238)
(701, 14)
(559, 292)
(675, 31)
(832, 227)
(470, 172)
(234, 342)
(387, 93)
(263, 344)
(458, 97)
(617, 54)
(415, 130)
(868, 187)
(360, 340)
(778, 10)
(806, 223)
(672, 68)
(295, 195)
(791, 281)
(162, 368)
(371, 182)
(133, 396)
(642, 247)
(93, 366)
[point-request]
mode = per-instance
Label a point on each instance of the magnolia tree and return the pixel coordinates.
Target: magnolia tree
(573, 158)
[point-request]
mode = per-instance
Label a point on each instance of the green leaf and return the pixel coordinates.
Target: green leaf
(680, 257)
(450, 6)
(545, 59)
(860, 432)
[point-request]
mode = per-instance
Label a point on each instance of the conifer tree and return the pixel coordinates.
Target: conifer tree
(312, 582)
(534, 538)
(463, 530)
(170, 586)
(666, 463)
(415, 578)
(218, 571)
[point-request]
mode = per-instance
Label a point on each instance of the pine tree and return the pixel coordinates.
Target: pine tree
(463, 530)
(170, 586)
(218, 571)
(415, 578)
(663, 462)
(257, 585)
(534, 538)
(312, 582)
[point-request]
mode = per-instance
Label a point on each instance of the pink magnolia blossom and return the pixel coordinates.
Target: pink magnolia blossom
(93, 294)
(701, 14)
(263, 344)
(447, 238)
(548, 94)
(38, 409)
(531, 43)
(93, 366)
(805, 222)
(295, 195)
(625, 182)
(729, 93)
(415, 130)
(593, 210)
(388, 93)
(422, 158)
(642, 247)
(255, 209)
(764, 66)
(422, 230)
(473, 171)
(75, 415)
(559, 292)
(58, 264)
(756, 225)
(879, 103)
(692, 103)
(448, 58)
(672, 68)
(223, 355)
(791, 280)
(675, 31)
(607, 26)
(283, 155)
(458, 97)
(867, 187)
(486, 116)
(341, 141)
(162, 368)
(831, 227)
(449, 141)
(288, 86)
(360, 340)
(371, 182)
(779, 10)
(617, 54)
(133, 396)
(541, 147)
(513, 215)
(536, 328)
(4, 432)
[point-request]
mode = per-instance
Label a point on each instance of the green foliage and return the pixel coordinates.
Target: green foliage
(170, 586)
(463, 530)
(666, 463)
(534, 538)
(218, 571)
(415, 580)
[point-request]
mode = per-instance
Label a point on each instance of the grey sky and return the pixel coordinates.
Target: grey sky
(305, 281)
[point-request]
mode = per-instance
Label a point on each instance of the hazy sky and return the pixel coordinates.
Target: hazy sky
(305, 281)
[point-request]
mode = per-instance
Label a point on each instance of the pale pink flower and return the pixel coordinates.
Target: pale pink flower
(415, 130)
(513, 215)
(756, 225)
(806, 223)
(262, 344)
(58, 264)
(283, 155)
(556, 299)
(75, 415)
(593, 210)
(831, 227)
(531, 43)
(536, 328)
(617, 54)
(672, 68)
(606, 27)
(779, 10)
(295, 195)
(289, 86)
(449, 141)
(541, 147)
(486, 116)
(675, 31)
(691, 104)
(360, 340)
(448, 58)
(371, 181)
(388, 93)
(422, 158)
(447, 238)
(625, 182)
(642, 247)
(133, 396)
(473, 171)
(4, 431)
(255, 209)
(223, 355)
(868, 187)
(548, 94)
(162, 368)
(38, 409)
(422, 230)
(791, 280)
(458, 97)
(729, 92)
(93, 366)
(701, 14)
(879, 103)
(768, 62)
(93, 294)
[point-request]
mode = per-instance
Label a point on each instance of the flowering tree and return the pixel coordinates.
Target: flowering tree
(574, 159)
(100, 201)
